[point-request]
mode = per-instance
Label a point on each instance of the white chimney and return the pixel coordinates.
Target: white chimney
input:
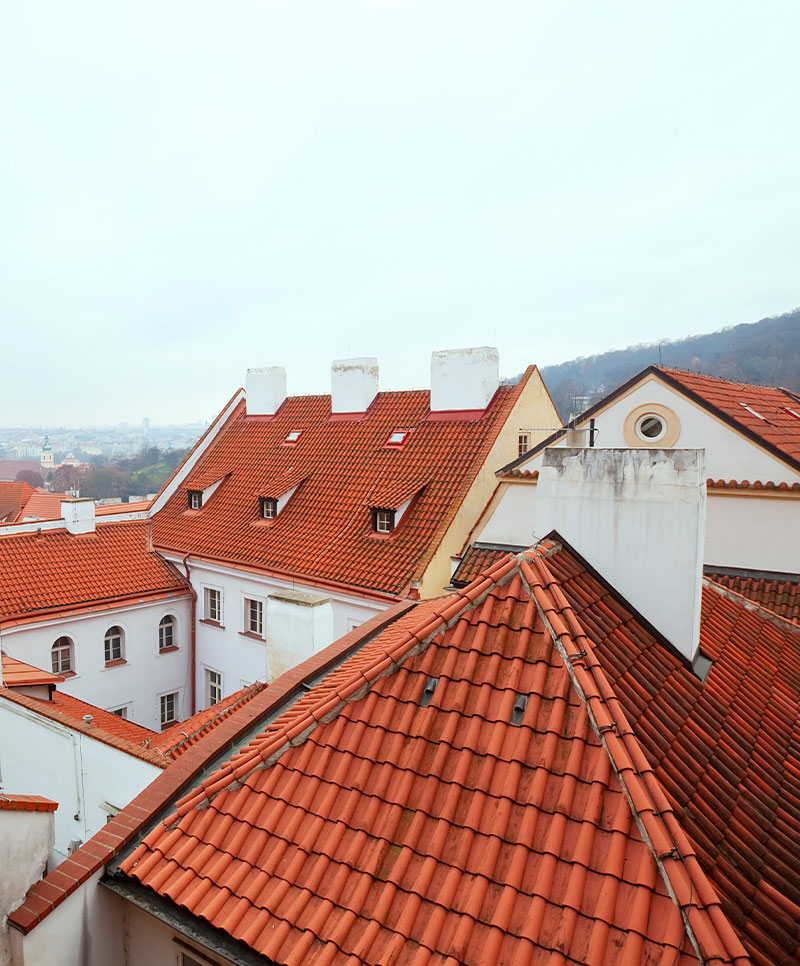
(299, 624)
(354, 384)
(464, 378)
(266, 390)
(79, 515)
(638, 517)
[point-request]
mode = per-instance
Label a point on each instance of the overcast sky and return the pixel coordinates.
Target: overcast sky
(188, 189)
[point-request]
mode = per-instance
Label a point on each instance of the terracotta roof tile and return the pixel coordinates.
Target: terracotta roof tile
(478, 559)
(726, 750)
(747, 485)
(41, 506)
(55, 569)
(13, 497)
(781, 595)
(770, 413)
(370, 825)
(26, 803)
(18, 674)
(325, 529)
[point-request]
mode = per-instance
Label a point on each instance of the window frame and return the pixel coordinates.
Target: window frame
(69, 648)
(383, 514)
(251, 626)
(162, 629)
(523, 443)
(213, 686)
(163, 703)
(268, 503)
(195, 499)
(208, 593)
(114, 645)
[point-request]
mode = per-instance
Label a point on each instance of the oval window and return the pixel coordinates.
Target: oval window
(650, 427)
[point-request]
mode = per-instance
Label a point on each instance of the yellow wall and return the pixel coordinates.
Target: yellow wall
(534, 412)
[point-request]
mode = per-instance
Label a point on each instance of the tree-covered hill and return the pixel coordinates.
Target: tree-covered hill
(766, 353)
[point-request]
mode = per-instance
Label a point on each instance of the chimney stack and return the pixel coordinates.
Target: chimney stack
(464, 379)
(78, 515)
(354, 384)
(638, 517)
(266, 390)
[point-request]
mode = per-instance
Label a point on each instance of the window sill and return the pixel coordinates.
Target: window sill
(253, 636)
(210, 623)
(118, 662)
(166, 725)
(66, 674)
(168, 650)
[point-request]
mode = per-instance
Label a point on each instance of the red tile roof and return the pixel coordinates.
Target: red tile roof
(26, 803)
(52, 570)
(10, 468)
(18, 674)
(13, 497)
(726, 751)
(477, 560)
(747, 485)
(110, 509)
(325, 529)
(41, 506)
(365, 825)
(780, 425)
(781, 595)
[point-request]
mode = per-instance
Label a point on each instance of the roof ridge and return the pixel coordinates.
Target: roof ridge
(672, 852)
(342, 685)
(784, 623)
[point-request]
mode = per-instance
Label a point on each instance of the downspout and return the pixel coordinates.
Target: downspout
(193, 652)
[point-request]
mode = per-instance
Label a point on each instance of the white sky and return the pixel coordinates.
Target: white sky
(189, 189)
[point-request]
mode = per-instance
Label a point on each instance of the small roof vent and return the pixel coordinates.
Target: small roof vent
(518, 711)
(427, 694)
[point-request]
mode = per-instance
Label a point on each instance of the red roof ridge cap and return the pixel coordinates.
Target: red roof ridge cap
(652, 813)
(783, 623)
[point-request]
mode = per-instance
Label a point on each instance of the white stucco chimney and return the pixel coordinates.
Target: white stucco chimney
(266, 390)
(299, 624)
(464, 378)
(638, 517)
(79, 515)
(354, 384)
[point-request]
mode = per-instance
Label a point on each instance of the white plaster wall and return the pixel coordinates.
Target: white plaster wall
(729, 456)
(42, 757)
(464, 378)
(354, 384)
(759, 533)
(638, 517)
(26, 839)
(135, 684)
(89, 928)
(240, 658)
(514, 518)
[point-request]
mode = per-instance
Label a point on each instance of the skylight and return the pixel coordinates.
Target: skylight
(397, 437)
(293, 435)
(751, 410)
(791, 412)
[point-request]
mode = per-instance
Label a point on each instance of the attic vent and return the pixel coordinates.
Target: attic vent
(751, 410)
(427, 694)
(517, 712)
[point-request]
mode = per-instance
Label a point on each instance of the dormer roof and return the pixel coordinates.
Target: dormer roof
(324, 531)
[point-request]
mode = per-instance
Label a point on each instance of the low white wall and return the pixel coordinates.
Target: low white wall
(26, 839)
(513, 520)
(42, 757)
(137, 683)
(242, 659)
(753, 532)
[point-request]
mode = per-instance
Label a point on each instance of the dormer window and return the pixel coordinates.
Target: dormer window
(195, 499)
(292, 437)
(382, 520)
(269, 507)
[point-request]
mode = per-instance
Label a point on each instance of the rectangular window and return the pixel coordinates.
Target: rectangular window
(383, 520)
(121, 712)
(254, 616)
(169, 709)
(213, 605)
(213, 687)
(524, 443)
(269, 507)
(195, 499)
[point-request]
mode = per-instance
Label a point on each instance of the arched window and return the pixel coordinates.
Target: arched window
(113, 644)
(166, 633)
(61, 660)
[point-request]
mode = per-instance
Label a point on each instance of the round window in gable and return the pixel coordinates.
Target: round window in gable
(650, 427)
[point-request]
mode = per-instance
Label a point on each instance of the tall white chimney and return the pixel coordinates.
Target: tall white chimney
(638, 516)
(78, 515)
(464, 378)
(354, 384)
(266, 390)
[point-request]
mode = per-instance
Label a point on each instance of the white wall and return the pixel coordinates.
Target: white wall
(638, 518)
(513, 520)
(26, 839)
(240, 658)
(729, 456)
(39, 756)
(136, 683)
(753, 532)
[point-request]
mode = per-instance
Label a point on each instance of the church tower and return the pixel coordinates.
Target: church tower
(46, 459)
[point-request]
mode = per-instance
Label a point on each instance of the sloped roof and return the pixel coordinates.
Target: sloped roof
(364, 826)
(726, 750)
(54, 569)
(41, 506)
(10, 468)
(18, 674)
(13, 497)
(779, 594)
(325, 530)
(479, 557)
(780, 425)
